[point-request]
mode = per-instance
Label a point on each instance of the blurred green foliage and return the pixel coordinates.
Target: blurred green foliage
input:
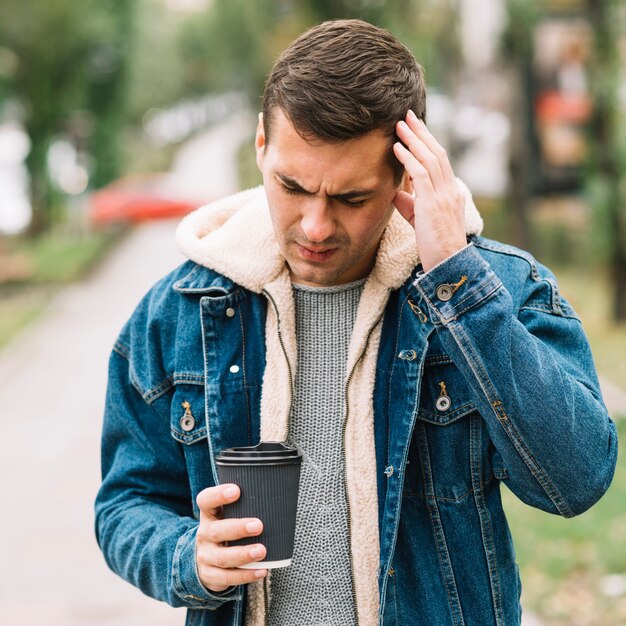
(606, 172)
(234, 43)
(67, 74)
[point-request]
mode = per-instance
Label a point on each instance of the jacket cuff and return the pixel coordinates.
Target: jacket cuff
(457, 284)
(186, 581)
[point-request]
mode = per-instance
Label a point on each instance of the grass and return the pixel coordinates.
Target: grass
(18, 310)
(41, 266)
(589, 292)
(62, 257)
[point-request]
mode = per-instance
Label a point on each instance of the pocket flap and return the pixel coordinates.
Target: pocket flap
(445, 396)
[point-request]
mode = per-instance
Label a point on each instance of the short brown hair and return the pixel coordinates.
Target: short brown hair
(343, 79)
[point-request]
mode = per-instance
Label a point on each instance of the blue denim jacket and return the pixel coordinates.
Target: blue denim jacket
(476, 386)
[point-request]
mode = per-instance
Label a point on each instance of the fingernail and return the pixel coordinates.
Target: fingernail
(253, 527)
(413, 116)
(230, 492)
(255, 553)
(259, 573)
(403, 125)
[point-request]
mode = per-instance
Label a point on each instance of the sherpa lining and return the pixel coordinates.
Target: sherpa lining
(235, 237)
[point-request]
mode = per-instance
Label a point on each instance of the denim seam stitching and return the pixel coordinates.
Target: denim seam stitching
(400, 486)
(439, 536)
(545, 309)
(454, 500)
(437, 360)
(476, 291)
(171, 381)
(393, 366)
(156, 392)
(438, 420)
(516, 253)
(177, 285)
(479, 296)
(531, 462)
(245, 378)
(481, 293)
(188, 439)
(122, 350)
(486, 529)
(204, 320)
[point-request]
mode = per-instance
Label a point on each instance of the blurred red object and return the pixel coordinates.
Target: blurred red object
(137, 199)
(553, 106)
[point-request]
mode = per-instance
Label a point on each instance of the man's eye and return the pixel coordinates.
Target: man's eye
(353, 203)
(350, 203)
(289, 189)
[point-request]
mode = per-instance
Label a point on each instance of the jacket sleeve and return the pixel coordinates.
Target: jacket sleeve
(144, 514)
(531, 373)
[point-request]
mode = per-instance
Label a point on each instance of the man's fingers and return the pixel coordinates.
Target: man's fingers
(211, 500)
(218, 579)
(418, 173)
(426, 137)
(218, 531)
(422, 152)
(225, 557)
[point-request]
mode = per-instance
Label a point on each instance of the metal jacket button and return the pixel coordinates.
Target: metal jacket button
(230, 312)
(187, 422)
(389, 471)
(443, 403)
(234, 369)
(444, 292)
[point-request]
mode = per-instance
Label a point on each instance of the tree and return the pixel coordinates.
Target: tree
(608, 154)
(517, 52)
(60, 47)
(234, 43)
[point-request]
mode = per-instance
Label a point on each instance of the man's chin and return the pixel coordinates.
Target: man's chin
(302, 274)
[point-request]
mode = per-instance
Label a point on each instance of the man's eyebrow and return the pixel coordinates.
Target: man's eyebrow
(346, 195)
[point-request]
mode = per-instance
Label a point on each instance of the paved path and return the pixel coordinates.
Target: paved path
(52, 382)
(52, 385)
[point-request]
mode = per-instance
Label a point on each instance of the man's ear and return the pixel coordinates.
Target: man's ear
(260, 142)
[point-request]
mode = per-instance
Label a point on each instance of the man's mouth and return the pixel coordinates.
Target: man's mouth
(315, 254)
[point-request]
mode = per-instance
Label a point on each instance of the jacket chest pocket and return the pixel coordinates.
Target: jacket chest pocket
(188, 426)
(445, 445)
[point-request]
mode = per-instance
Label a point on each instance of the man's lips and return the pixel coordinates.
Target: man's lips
(312, 254)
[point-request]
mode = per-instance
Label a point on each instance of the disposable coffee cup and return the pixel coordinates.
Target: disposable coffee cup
(268, 476)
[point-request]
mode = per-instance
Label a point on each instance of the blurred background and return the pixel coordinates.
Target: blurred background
(117, 117)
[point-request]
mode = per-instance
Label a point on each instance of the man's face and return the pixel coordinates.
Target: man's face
(329, 202)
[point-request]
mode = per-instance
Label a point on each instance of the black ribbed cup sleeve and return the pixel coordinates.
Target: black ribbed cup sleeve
(269, 492)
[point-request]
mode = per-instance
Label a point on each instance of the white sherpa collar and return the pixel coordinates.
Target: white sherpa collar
(235, 237)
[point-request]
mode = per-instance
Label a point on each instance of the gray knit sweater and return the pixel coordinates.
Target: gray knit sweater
(317, 588)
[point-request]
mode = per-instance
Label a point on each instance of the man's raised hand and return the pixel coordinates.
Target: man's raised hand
(219, 565)
(437, 212)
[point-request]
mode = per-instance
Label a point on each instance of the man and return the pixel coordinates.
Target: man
(350, 307)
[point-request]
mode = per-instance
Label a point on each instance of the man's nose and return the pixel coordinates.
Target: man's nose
(318, 222)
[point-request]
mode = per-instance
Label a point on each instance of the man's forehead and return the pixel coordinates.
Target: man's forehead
(280, 122)
(359, 162)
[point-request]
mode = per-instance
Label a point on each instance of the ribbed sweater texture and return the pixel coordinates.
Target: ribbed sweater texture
(316, 590)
